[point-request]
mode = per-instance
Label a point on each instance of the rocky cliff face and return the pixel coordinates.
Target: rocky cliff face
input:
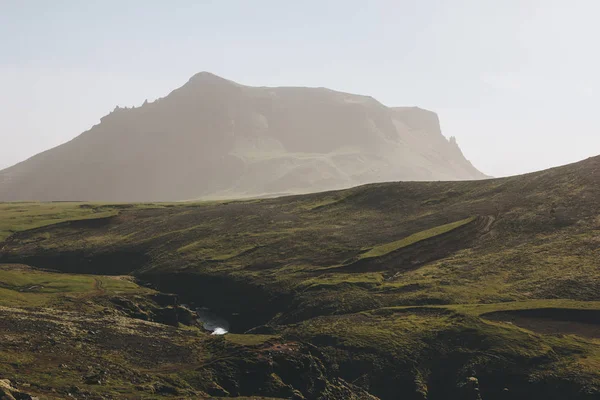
(216, 138)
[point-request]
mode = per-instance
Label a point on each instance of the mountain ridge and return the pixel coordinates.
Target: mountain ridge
(215, 138)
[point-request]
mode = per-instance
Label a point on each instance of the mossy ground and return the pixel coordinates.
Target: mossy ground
(415, 321)
(62, 337)
(18, 217)
(387, 248)
(27, 287)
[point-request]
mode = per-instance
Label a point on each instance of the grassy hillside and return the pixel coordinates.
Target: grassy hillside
(26, 287)
(17, 217)
(387, 248)
(417, 290)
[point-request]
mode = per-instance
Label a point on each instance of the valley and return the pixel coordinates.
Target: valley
(420, 290)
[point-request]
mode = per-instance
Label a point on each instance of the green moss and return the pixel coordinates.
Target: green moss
(16, 217)
(248, 339)
(21, 216)
(383, 249)
(199, 249)
(26, 287)
(330, 280)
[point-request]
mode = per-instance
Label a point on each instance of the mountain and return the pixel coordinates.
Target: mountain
(214, 138)
(484, 289)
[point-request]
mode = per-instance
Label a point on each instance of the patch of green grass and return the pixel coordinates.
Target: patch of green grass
(383, 249)
(249, 340)
(23, 286)
(366, 280)
(202, 250)
(476, 310)
(17, 217)
(120, 285)
(21, 216)
(309, 204)
(479, 309)
(415, 333)
(25, 279)
(12, 298)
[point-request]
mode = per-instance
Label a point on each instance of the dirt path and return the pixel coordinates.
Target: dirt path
(98, 289)
(98, 285)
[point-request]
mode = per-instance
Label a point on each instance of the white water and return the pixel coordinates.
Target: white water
(211, 322)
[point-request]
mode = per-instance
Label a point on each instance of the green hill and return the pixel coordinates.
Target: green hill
(417, 290)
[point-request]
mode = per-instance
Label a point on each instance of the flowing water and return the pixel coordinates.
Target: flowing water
(211, 322)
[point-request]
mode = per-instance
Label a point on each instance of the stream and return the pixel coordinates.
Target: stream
(212, 322)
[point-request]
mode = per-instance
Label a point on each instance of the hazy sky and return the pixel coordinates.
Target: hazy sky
(516, 81)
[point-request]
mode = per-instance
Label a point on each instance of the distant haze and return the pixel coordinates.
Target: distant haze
(214, 138)
(516, 81)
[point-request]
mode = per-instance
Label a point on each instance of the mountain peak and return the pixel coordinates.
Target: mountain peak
(209, 77)
(215, 138)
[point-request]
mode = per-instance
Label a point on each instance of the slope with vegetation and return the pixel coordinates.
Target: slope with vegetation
(420, 290)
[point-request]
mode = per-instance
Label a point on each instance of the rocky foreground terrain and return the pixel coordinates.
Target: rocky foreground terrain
(419, 290)
(214, 138)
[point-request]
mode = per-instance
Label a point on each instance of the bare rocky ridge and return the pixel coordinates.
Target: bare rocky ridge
(215, 138)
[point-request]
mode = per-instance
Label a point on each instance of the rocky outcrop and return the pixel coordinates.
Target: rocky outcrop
(8, 392)
(147, 310)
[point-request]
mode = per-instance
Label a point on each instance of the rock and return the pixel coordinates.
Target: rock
(216, 390)
(5, 384)
(145, 388)
(470, 388)
(94, 379)
(74, 389)
(296, 395)
(165, 299)
(6, 395)
(163, 389)
(8, 392)
(166, 315)
(186, 316)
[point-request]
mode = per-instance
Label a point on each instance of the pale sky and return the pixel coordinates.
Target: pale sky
(516, 81)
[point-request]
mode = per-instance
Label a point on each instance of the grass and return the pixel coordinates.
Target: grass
(330, 280)
(479, 309)
(398, 345)
(202, 250)
(387, 248)
(17, 217)
(275, 263)
(43, 282)
(22, 216)
(249, 340)
(26, 287)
